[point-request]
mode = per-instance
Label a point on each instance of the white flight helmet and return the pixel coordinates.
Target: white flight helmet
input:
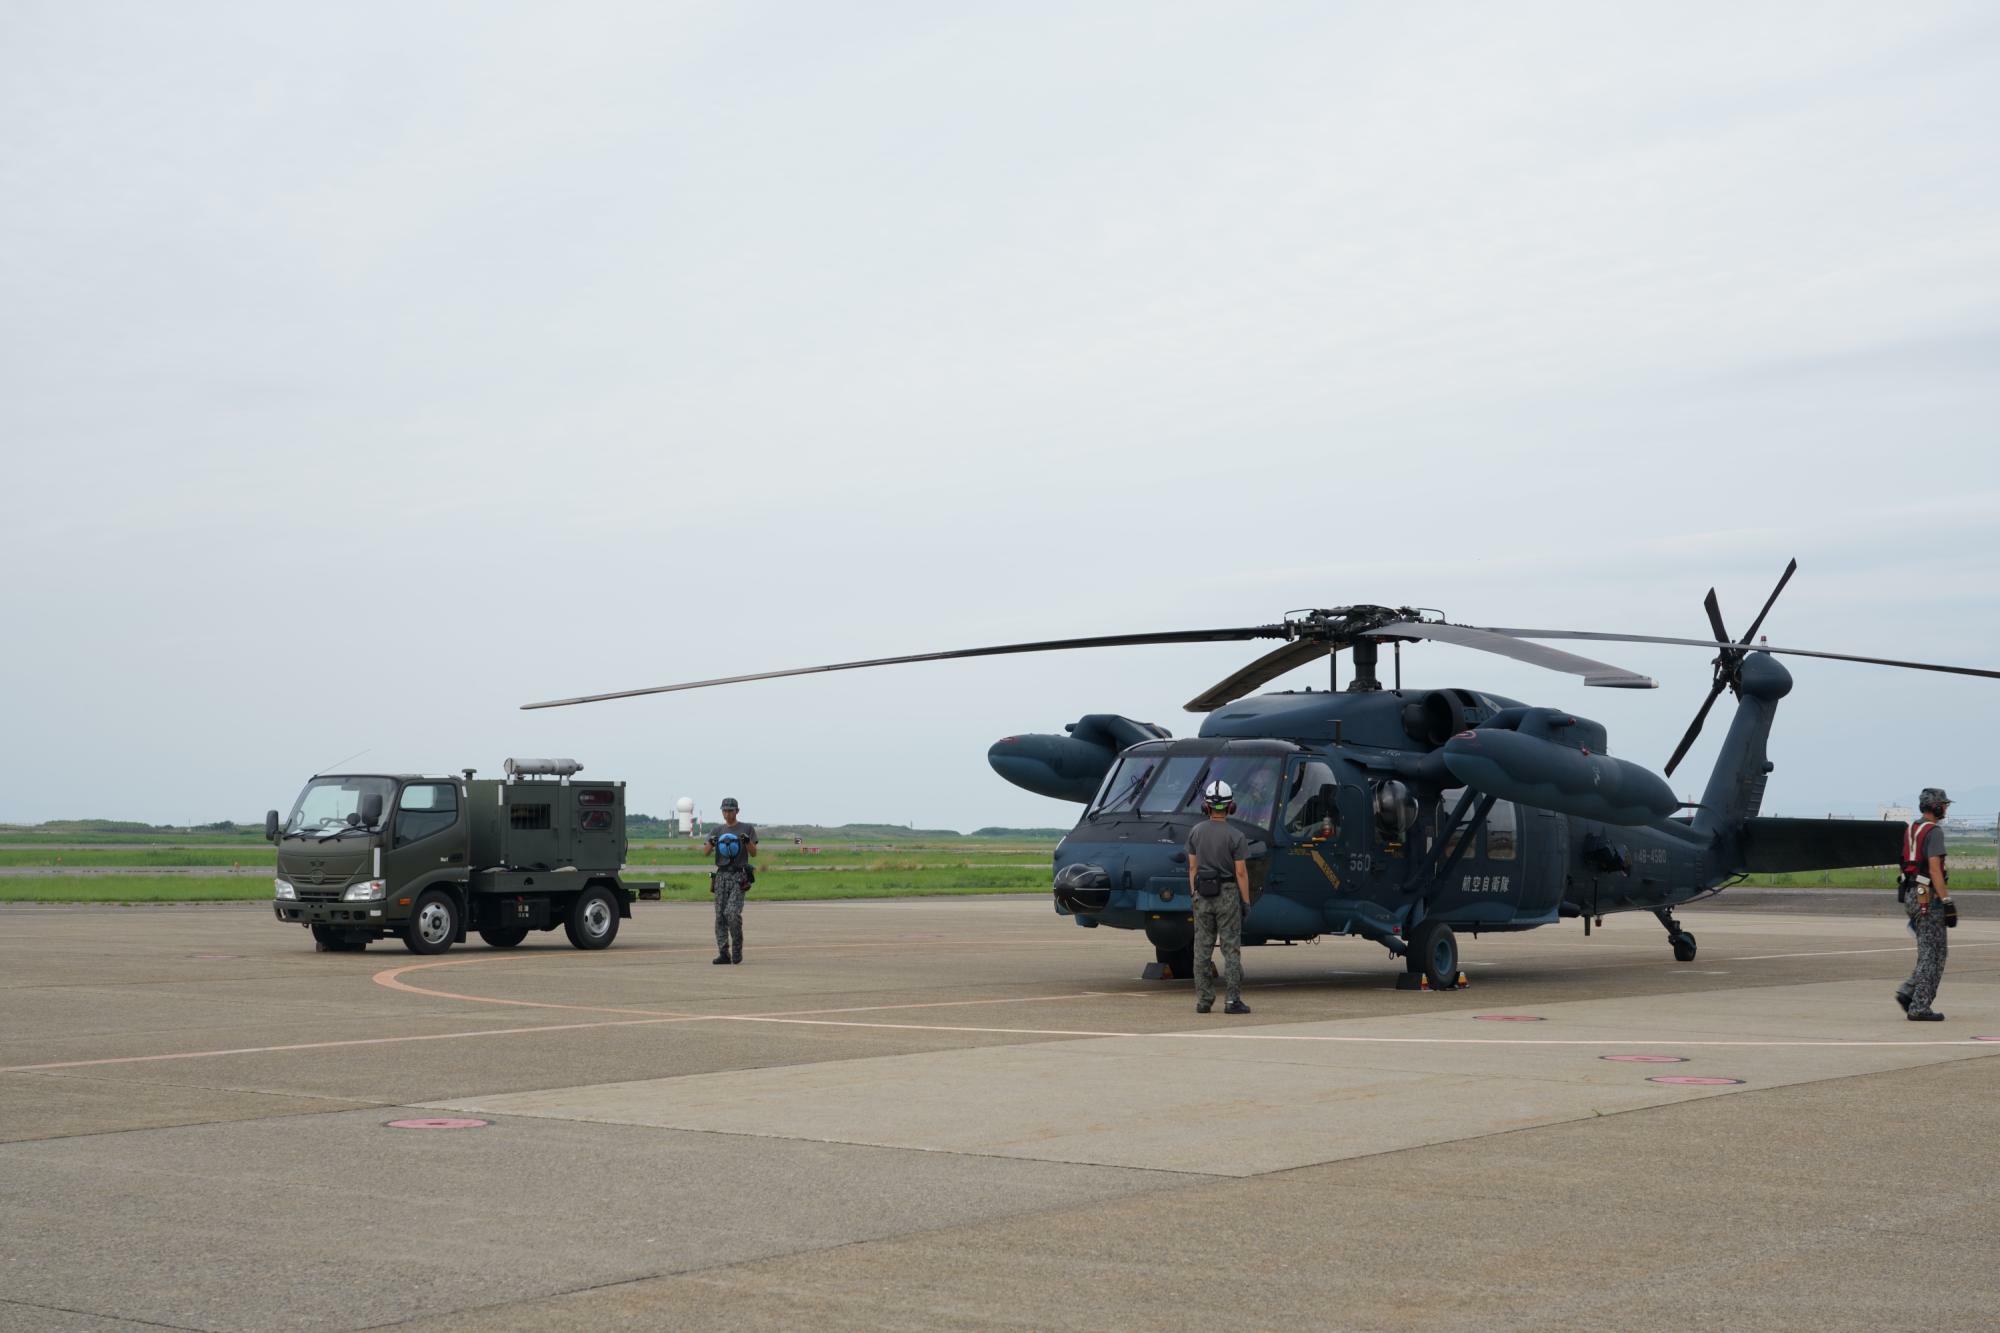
(1217, 796)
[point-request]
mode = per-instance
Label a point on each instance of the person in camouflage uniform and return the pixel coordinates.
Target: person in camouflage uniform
(1927, 898)
(1219, 890)
(732, 845)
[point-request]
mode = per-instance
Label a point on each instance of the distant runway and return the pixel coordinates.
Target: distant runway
(970, 1113)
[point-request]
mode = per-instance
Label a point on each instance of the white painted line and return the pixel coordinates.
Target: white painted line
(1358, 1040)
(1838, 953)
(1773, 1043)
(328, 1045)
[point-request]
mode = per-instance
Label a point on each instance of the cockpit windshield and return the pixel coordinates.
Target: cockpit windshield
(1155, 782)
(1124, 782)
(328, 805)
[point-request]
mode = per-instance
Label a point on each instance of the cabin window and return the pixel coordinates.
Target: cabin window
(1453, 833)
(426, 808)
(1501, 839)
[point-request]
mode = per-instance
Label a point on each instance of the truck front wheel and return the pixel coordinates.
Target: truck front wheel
(433, 923)
(593, 918)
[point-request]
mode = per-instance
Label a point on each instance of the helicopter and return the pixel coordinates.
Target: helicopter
(1406, 816)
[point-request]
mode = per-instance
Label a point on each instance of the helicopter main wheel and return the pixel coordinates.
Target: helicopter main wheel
(1434, 955)
(1683, 942)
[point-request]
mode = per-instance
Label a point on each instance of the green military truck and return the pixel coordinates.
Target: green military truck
(364, 856)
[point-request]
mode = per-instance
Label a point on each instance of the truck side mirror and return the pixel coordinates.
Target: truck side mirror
(270, 826)
(371, 809)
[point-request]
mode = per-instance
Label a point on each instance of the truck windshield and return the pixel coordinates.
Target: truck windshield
(324, 806)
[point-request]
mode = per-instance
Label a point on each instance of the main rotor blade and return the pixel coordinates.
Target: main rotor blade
(1045, 646)
(1694, 728)
(1790, 569)
(1714, 609)
(1498, 641)
(1268, 667)
(1740, 647)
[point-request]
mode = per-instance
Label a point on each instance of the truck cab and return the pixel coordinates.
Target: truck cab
(427, 858)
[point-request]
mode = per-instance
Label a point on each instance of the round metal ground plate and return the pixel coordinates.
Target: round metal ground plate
(438, 1123)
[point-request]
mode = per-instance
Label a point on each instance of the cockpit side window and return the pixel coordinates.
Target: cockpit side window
(1311, 801)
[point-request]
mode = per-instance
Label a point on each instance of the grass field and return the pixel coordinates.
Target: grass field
(258, 853)
(870, 864)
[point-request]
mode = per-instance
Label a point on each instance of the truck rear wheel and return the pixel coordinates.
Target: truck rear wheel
(503, 937)
(593, 918)
(433, 923)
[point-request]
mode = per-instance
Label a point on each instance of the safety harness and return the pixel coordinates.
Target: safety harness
(1916, 866)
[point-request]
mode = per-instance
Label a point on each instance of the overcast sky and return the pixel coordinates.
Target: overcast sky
(369, 370)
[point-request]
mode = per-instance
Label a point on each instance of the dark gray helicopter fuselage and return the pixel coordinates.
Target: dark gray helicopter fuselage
(1402, 840)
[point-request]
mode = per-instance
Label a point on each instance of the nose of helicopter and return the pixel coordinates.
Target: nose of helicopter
(1133, 865)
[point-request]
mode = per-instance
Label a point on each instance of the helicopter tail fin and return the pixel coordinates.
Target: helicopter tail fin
(1735, 789)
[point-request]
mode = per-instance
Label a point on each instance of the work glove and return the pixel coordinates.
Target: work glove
(1950, 913)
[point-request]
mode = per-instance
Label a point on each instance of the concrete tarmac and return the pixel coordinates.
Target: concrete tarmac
(970, 1113)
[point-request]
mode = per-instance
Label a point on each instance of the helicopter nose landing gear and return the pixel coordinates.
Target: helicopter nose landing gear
(1175, 965)
(1682, 940)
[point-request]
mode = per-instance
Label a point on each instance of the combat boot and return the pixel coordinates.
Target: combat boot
(1203, 1006)
(1903, 1000)
(1236, 1007)
(719, 958)
(1926, 1016)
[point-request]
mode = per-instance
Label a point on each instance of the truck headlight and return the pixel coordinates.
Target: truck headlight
(368, 891)
(285, 891)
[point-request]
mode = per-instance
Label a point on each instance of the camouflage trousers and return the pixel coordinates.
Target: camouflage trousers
(1922, 987)
(728, 887)
(1218, 921)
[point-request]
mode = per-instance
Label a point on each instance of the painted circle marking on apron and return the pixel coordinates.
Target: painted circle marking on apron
(1694, 1081)
(436, 1122)
(1986, 1038)
(1645, 1059)
(1508, 1018)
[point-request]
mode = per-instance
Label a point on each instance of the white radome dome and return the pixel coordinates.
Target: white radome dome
(685, 805)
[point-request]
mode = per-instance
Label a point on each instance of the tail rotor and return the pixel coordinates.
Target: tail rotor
(1728, 662)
